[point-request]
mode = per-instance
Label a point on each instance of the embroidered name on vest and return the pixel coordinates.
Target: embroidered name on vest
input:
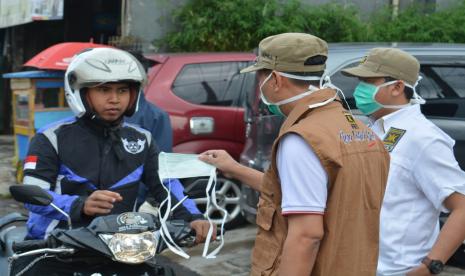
(356, 135)
(393, 137)
(133, 147)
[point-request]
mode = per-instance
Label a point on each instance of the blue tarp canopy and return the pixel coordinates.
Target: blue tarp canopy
(35, 75)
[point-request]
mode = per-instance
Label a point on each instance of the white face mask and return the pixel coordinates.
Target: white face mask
(325, 82)
(274, 107)
(175, 165)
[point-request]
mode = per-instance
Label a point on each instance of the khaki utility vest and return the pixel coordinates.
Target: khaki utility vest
(357, 166)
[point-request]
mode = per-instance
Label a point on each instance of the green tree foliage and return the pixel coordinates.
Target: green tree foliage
(239, 25)
(413, 25)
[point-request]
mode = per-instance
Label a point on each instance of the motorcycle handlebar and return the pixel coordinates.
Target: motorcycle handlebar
(189, 241)
(218, 232)
(29, 245)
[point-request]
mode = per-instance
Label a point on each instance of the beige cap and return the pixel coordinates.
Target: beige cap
(387, 62)
(288, 52)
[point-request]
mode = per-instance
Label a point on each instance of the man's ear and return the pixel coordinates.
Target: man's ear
(277, 81)
(398, 89)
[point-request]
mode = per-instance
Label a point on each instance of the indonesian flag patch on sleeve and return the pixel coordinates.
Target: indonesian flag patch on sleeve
(30, 162)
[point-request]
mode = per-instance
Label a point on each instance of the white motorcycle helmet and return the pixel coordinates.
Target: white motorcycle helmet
(96, 66)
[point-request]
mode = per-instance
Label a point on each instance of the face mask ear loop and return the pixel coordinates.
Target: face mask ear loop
(262, 96)
(328, 84)
(164, 232)
(345, 100)
(311, 90)
(324, 79)
(390, 106)
(211, 199)
(417, 98)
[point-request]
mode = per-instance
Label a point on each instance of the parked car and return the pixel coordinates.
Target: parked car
(203, 94)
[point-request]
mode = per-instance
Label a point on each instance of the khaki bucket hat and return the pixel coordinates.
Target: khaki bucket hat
(387, 62)
(290, 52)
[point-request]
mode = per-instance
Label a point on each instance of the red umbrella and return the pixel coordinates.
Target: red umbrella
(58, 56)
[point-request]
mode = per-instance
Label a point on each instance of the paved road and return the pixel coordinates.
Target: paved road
(234, 258)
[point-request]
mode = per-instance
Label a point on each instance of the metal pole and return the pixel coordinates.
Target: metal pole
(123, 17)
(395, 8)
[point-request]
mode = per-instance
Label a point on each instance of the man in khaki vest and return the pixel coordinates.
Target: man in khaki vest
(320, 200)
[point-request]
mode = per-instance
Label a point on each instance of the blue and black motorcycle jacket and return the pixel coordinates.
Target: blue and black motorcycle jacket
(72, 159)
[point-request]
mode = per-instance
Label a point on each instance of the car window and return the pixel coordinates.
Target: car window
(428, 88)
(216, 83)
(442, 82)
(249, 91)
(443, 89)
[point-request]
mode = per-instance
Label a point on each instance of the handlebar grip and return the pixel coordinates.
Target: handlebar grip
(218, 232)
(28, 245)
(189, 240)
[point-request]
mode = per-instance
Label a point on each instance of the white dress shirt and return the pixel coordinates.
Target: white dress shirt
(423, 173)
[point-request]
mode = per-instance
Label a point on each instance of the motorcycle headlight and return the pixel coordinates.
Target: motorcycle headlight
(131, 248)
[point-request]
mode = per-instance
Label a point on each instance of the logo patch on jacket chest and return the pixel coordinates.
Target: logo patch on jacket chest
(133, 147)
(351, 120)
(393, 137)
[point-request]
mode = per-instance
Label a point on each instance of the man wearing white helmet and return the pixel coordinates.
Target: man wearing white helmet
(93, 164)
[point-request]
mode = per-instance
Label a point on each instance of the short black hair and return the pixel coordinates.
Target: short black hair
(408, 92)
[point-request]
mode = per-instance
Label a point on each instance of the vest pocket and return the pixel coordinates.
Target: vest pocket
(265, 216)
(264, 255)
(266, 249)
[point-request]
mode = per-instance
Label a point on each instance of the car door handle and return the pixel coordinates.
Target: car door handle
(202, 125)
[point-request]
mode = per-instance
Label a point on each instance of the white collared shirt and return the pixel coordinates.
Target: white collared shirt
(423, 173)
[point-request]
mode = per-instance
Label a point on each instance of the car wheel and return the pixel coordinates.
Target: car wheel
(228, 195)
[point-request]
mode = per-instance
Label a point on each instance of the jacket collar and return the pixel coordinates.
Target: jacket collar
(99, 126)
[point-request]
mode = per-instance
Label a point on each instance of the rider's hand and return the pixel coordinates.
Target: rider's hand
(201, 229)
(100, 202)
(221, 160)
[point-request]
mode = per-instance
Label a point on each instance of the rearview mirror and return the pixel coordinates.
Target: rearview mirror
(31, 194)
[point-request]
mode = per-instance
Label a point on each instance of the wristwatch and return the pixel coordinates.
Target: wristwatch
(434, 266)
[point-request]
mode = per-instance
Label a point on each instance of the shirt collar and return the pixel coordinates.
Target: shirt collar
(386, 122)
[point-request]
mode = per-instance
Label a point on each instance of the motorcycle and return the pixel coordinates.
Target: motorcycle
(124, 244)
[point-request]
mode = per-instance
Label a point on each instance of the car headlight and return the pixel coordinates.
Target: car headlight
(131, 248)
